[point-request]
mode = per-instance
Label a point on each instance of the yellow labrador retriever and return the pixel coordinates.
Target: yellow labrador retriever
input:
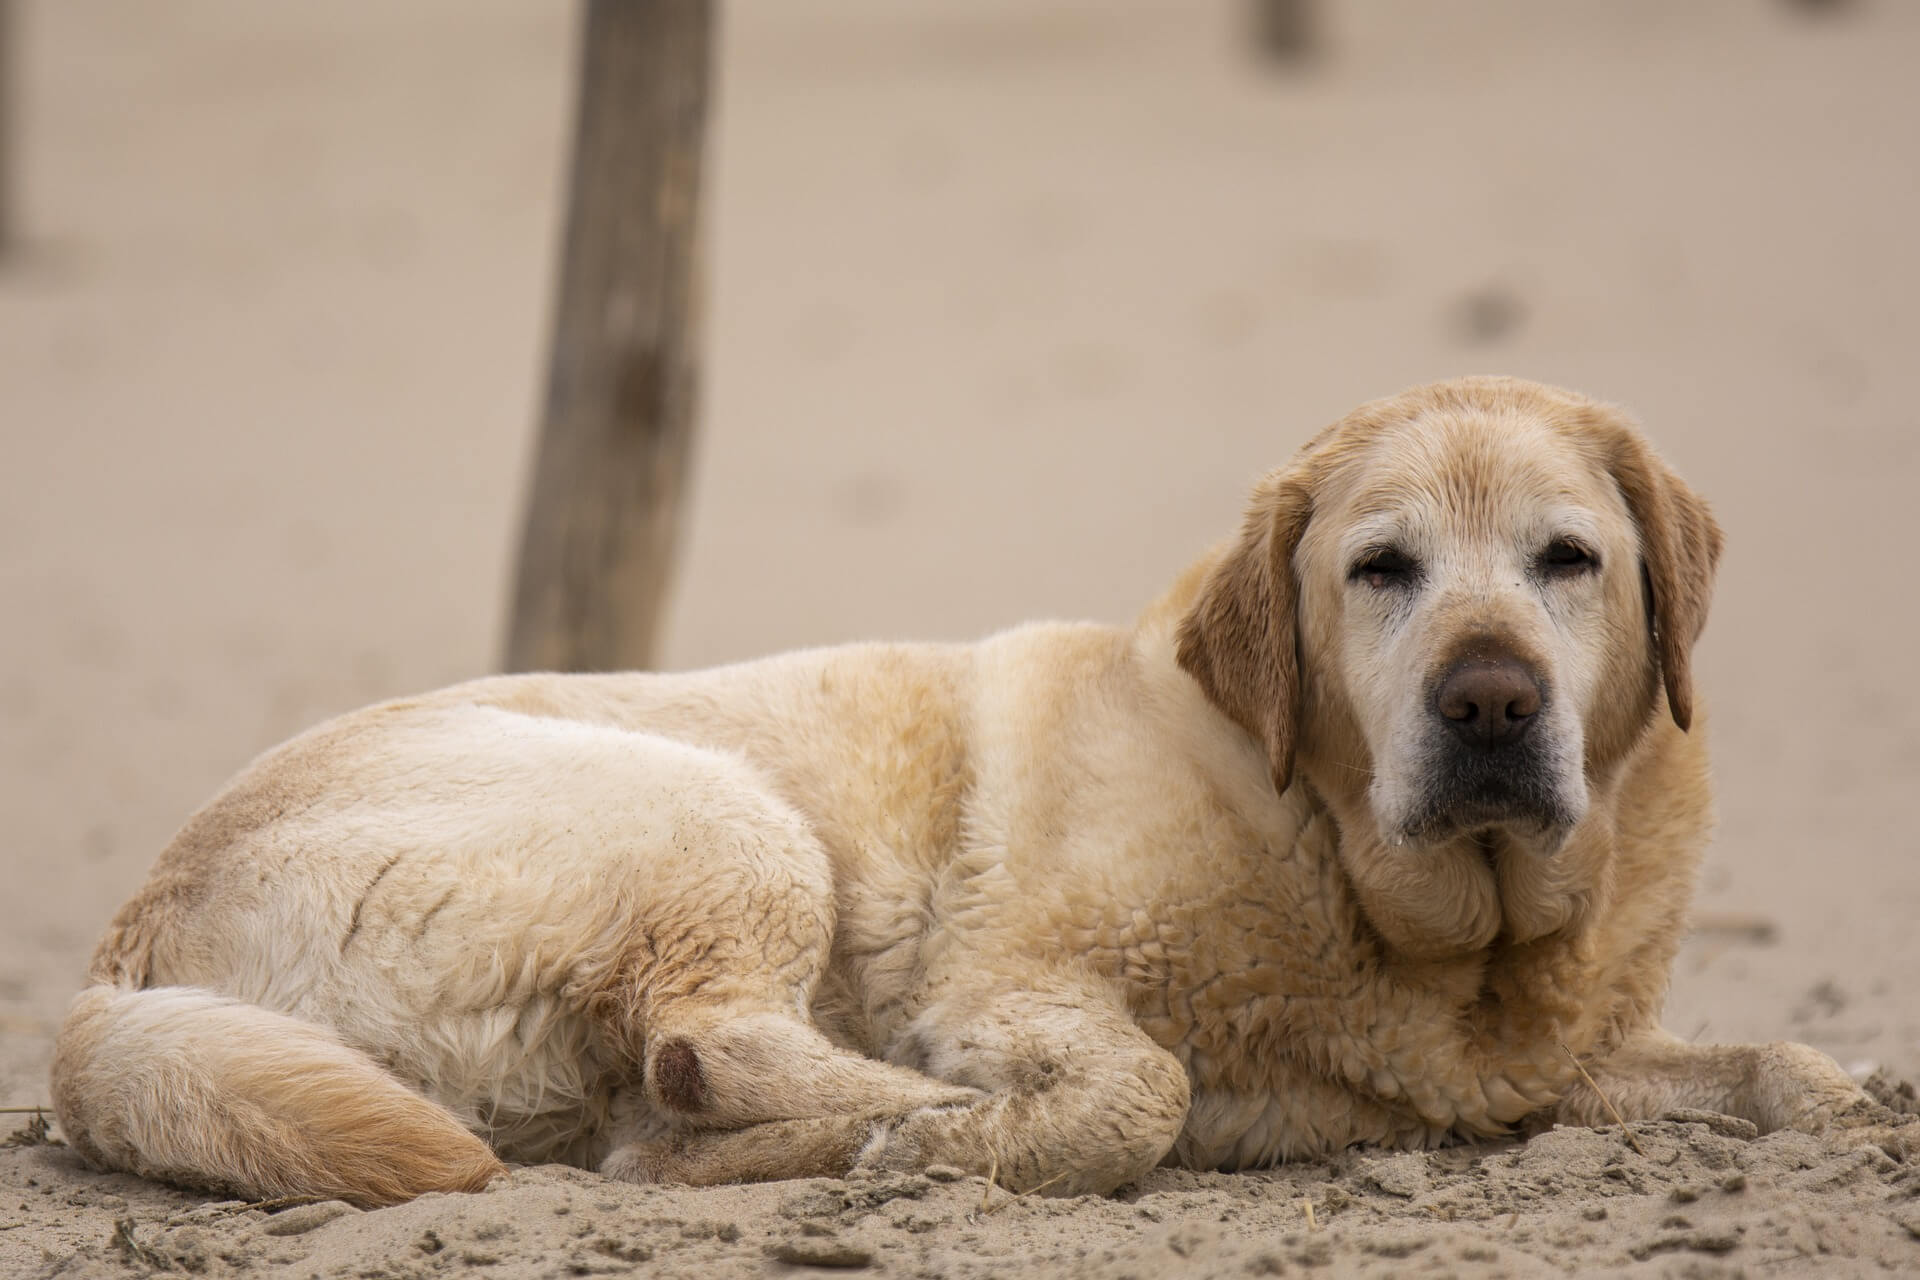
(1387, 800)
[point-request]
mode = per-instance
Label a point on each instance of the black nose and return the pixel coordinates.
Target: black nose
(1488, 702)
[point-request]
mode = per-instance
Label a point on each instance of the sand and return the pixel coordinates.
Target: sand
(1010, 302)
(1696, 1194)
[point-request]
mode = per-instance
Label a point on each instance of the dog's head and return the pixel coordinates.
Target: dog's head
(1458, 608)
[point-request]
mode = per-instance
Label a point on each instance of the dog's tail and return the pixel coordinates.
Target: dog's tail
(187, 1086)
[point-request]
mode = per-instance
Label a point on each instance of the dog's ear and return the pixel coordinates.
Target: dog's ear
(1679, 550)
(1240, 640)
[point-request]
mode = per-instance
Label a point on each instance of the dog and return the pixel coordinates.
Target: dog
(1379, 827)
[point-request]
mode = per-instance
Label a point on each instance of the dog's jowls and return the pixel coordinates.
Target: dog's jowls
(1387, 800)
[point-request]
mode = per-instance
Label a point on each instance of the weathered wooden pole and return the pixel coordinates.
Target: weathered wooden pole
(1285, 30)
(8, 51)
(617, 428)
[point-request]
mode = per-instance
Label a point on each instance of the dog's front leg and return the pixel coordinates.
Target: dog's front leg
(1077, 1100)
(1781, 1085)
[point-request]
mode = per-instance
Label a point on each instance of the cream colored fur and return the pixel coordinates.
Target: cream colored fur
(1064, 904)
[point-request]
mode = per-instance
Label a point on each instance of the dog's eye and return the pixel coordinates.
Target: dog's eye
(1385, 567)
(1564, 556)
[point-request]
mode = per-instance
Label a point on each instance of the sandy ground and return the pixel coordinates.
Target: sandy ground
(1010, 301)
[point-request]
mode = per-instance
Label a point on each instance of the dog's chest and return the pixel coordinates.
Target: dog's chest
(1298, 1043)
(1281, 1074)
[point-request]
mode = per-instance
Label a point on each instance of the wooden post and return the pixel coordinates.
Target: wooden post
(617, 429)
(8, 231)
(1285, 30)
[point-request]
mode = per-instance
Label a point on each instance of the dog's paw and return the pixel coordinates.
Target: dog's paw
(1811, 1092)
(1864, 1120)
(636, 1162)
(890, 1148)
(909, 1142)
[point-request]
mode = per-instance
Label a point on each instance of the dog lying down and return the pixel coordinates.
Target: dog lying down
(1385, 814)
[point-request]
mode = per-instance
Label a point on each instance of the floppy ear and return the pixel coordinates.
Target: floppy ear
(1679, 550)
(1240, 639)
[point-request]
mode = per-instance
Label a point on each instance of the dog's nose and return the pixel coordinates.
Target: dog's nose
(1488, 702)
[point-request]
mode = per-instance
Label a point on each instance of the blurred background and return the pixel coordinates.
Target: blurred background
(1009, 301)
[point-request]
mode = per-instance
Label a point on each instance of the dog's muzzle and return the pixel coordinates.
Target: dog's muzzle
(1489, 761)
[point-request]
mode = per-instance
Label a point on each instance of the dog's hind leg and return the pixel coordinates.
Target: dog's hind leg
(1077, 1100)
(821, 1147)
(727, 938)
(728, 1039)
(728, 1067)
(757, 1092)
